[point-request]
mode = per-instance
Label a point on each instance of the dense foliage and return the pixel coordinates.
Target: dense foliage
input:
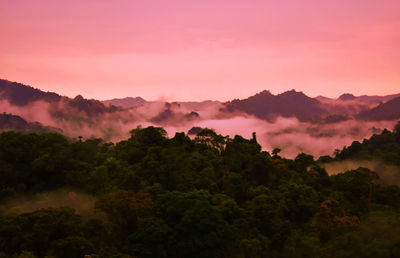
(384, 146)
(211, 196)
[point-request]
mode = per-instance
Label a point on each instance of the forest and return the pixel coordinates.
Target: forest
(203, 196)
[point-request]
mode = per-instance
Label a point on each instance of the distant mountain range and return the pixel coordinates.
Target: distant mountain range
(263, 105)
(389, 110)
(368, 99)
(267, 106)
(22, 95)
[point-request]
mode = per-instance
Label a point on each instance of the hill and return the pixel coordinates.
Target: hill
(387, 111)
(265, 105)
(374, 100)
(13, 122)
(20, 94)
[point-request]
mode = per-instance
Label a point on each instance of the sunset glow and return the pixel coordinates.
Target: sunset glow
(195, 50)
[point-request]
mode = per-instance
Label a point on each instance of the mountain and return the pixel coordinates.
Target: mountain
(265, 105)
(377, 99)
(369, 99)
(174, 113)
(127, 102)
(387, 111)
(13, 122)
(90, 106)
(324, 99)
(356, 107)
(19, 94)
(347, 96)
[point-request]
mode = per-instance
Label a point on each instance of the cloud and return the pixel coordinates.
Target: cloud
(288, 134)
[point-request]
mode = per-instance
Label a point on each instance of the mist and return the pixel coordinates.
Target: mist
(82, 203)
(389, 174)
(293, 136)
(288, 134)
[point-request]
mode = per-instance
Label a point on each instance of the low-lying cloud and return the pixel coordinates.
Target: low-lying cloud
(389, 174)
(288, 134)
(82, 203)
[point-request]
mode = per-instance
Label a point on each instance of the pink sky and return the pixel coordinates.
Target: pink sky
(195, 50)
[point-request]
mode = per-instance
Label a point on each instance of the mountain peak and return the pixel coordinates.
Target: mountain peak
(293, 92)
(347, 96)
(79, 97)
(264, 93)
(20, 94)
(265, 105)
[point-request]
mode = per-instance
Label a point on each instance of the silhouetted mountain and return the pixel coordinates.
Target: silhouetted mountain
(127, 102)
(347, 96)
(377, 99)
(13, 122)
(386, 111)
(371, 100)
(265, 105)
(8, 121)
(163, 116)
(172, 112)
(90, 106)
(20, 94)
(367, 99)
(323, 99)
(192, 116)
(348, 105)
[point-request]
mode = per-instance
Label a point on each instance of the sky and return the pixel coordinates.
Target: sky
(197, 50)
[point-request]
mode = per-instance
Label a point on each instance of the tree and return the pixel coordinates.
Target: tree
(358, 187)
(211, 139)
(303, 161)
(124, 208)
(396, 129)
(275, 152)
(152, 239)
(148, 136)
(331, 220)
(45, 232)
(198, 228)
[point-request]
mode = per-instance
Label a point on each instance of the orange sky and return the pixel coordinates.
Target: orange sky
(194, 50)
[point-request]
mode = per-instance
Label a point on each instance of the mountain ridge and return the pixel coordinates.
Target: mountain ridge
(263, 105)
